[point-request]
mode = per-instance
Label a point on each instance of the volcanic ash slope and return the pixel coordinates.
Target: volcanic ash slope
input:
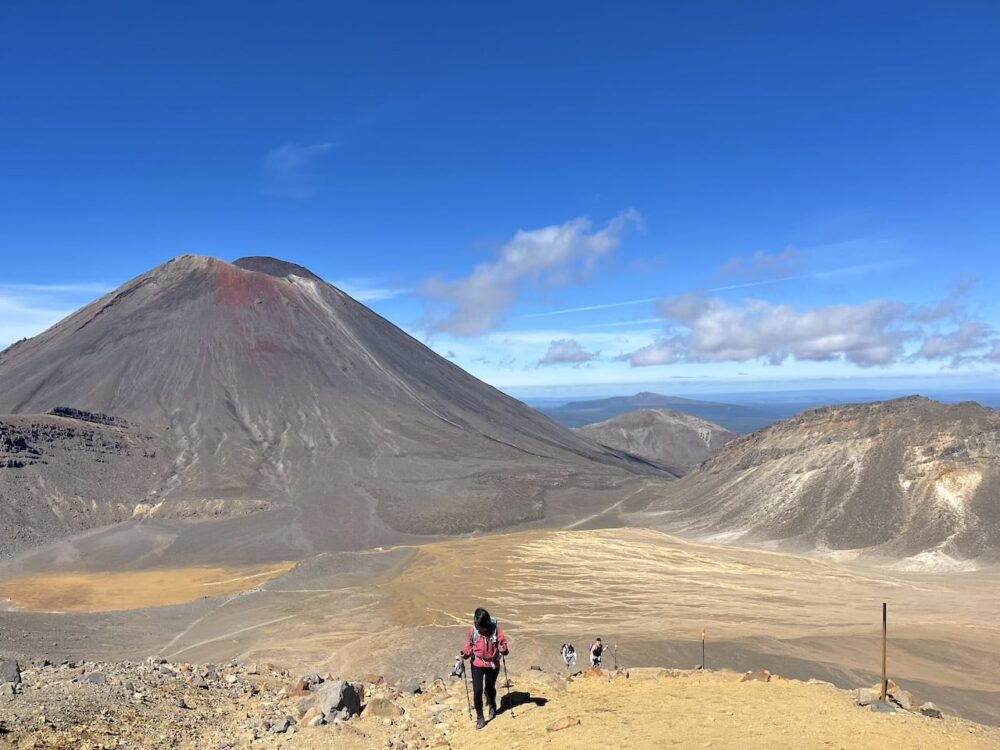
(909, 478)
(297, 416)
(669, 438)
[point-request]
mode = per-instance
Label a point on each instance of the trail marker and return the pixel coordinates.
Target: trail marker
(885, 675)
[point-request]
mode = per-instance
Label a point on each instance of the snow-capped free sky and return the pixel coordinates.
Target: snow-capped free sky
(553, 195)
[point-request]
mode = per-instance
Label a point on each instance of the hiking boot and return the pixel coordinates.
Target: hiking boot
(480, 721)
(492, 714)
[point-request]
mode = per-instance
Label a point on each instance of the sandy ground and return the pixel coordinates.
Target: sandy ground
(655, 710)
(111, 592)
(651, 593)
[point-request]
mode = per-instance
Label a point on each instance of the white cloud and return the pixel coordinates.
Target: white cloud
(555, 255)
(367, 290)
(712, 330)
(969, 337)
(289, 169)
(566, 352)
(659, 353)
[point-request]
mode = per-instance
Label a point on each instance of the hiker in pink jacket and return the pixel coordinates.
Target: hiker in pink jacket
(484, 645)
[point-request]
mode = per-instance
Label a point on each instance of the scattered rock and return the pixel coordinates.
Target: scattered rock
(281, 726)
(564, 723)
(759, 675)
(410, 687)
(10, 671)
(313, 717)
(897, 696)
(382, 708)
(94, 678)
(865, 696)
(824, 683)
(930, 710)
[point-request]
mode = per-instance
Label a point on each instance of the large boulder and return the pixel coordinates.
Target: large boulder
(336, 697)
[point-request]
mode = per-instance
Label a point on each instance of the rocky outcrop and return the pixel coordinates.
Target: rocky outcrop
(671, 439)
(910, 478)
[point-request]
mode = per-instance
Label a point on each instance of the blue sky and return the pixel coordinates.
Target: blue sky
(558, 196)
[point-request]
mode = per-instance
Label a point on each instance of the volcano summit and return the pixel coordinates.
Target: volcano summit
(283, 418)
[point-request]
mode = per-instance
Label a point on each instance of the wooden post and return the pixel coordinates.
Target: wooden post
(885, 676)
(704, 666)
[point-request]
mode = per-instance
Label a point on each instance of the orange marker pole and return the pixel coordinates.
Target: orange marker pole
(703, 665)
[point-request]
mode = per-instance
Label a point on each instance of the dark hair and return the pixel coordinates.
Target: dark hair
(482, 619)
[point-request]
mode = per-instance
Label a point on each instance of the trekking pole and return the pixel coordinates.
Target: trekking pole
(506, 679)
(465, 681)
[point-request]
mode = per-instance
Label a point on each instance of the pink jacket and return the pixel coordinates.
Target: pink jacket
(486, 653)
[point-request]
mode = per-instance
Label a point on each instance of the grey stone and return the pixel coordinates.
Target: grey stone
(930, 710)
(281, 726)
(865, 696)
(410, 686)
(879, 707)
(336, 696)
(94, 678)
(10, 671)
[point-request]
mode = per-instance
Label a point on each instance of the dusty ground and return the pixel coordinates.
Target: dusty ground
(651, 593)
(110, 592)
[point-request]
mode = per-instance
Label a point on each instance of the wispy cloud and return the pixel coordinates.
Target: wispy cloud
(57, 288)
(762, 263)
(28, 309)
(290, 169)
(556, 255)
(369, 290)
(588, 308)
(832, 273)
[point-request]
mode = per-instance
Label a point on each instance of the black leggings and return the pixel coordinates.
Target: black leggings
(489, 676)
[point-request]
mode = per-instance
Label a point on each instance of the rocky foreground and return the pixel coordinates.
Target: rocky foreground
(93, 706)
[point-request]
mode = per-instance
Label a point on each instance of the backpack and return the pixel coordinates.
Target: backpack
(476, 636)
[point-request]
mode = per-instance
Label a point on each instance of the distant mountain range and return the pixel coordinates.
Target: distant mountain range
(670, 438)
(738, 419)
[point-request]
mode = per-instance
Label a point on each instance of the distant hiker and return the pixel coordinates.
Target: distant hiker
(596, 651)
(484, 645)
(459, 669)
(568, 654)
